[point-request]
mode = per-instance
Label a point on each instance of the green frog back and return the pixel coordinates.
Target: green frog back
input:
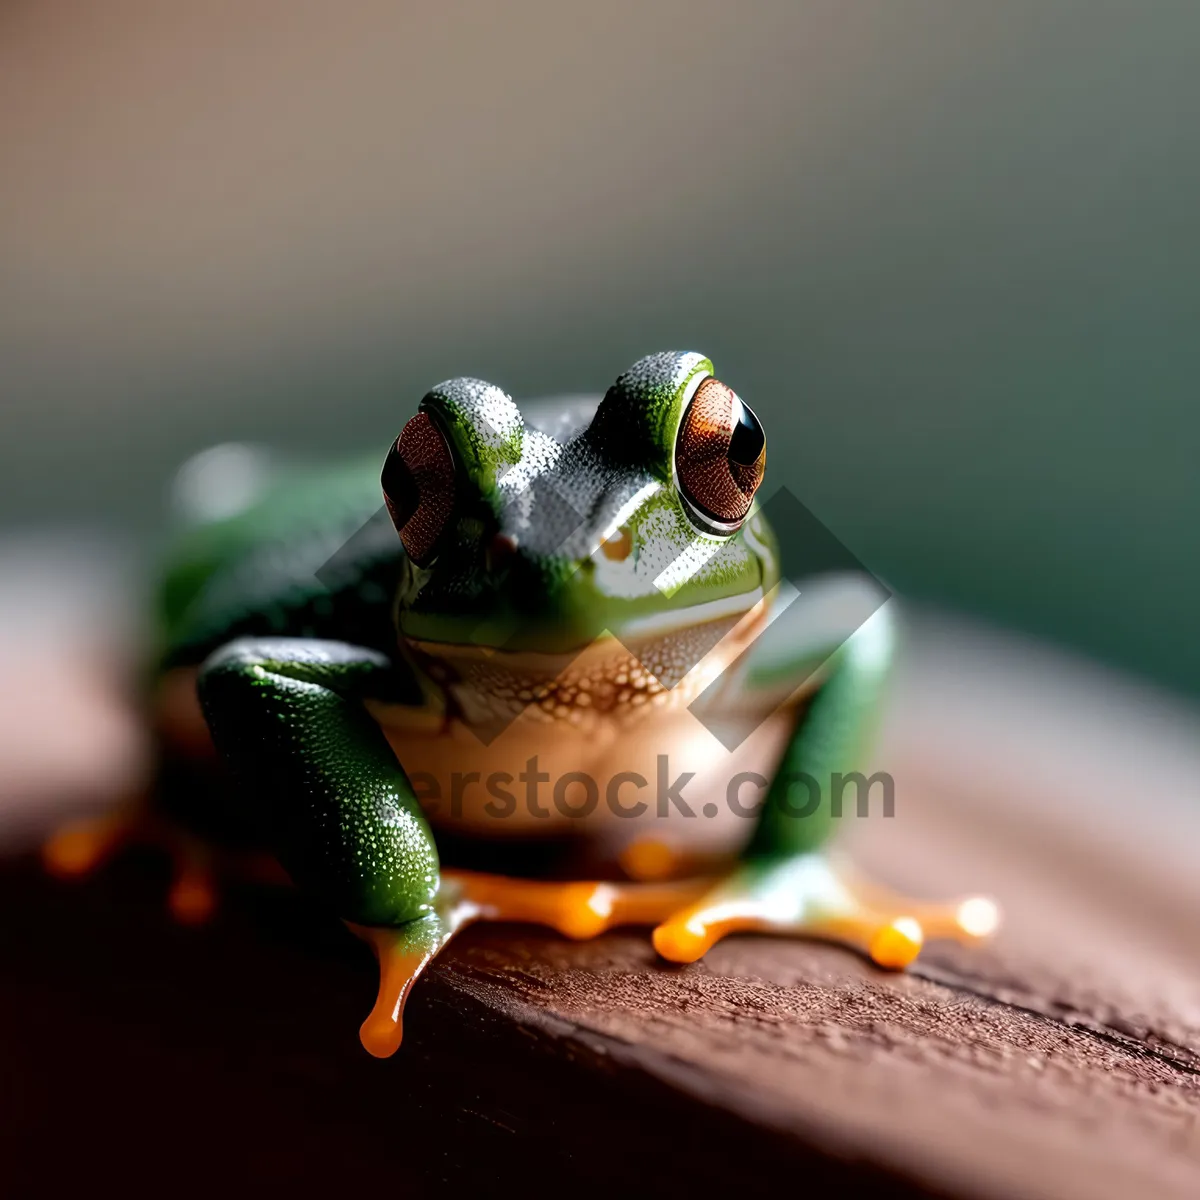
(311, 553)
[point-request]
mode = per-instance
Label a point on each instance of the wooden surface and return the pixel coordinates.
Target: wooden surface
(1062, 1061)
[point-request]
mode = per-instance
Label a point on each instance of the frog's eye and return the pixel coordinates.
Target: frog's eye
(720, 456)
(418, 486)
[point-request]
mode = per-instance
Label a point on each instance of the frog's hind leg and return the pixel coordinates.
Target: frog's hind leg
(785, 884)
(81, 848)
(806, 895)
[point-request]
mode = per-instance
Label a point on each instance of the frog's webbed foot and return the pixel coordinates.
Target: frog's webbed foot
(194, 890)
(654, 859)
(803, 895)
(577, 910)
(403, 953)
(807, 896)
(82, 848)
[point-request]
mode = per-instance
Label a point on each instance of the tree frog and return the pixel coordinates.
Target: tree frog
(526, 645)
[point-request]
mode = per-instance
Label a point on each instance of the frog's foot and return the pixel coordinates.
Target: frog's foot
(969, 919)
(79, 849)
(578, 910)
(192, 898)
(403, 953)
(653, 859)
(806, 896)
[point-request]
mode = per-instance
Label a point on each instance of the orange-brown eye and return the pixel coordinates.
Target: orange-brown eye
(720, 455)
(418, 486)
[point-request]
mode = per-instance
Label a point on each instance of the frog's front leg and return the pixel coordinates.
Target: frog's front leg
(578, 910)
(786, 883)
(331, 800)
(288, 715)
(326, 791)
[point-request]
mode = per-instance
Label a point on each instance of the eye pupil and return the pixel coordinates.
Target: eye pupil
(748, 439)
(720, 455)
(418, 486)
(399, 487)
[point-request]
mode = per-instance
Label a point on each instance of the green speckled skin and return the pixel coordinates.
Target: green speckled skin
(286, 660)
(556, 500)
(256, 573)
(341, 816)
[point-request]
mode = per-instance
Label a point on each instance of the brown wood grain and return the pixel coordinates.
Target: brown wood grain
(1061, 1061)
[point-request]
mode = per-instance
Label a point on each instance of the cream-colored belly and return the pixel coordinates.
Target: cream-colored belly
(595, 745)
(669, 773)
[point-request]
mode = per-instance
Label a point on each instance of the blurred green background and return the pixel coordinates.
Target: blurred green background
(949, 251)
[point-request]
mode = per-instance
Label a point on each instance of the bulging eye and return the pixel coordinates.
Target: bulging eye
(418, 486)
(720, 456)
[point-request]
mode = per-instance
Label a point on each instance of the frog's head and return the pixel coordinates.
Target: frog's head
(538, 532)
